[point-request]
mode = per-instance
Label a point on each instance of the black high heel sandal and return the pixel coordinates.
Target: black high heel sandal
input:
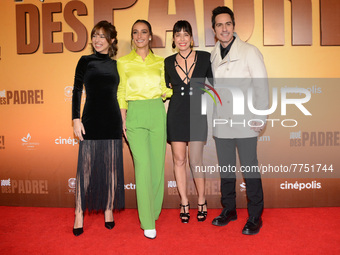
(184, 216)
(202, 215)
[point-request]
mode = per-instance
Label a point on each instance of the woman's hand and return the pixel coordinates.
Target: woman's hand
(123, 113)
(124, 128)
(78, 129)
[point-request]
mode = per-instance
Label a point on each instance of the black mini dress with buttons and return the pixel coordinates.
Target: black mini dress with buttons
(185, 123)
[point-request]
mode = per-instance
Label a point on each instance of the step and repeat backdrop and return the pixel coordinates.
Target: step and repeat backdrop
(42, 40)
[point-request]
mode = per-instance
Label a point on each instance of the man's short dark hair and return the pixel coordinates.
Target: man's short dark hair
(220, 10)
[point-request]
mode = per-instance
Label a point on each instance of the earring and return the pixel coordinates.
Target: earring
(192, 44)
(173, 45)
(149, 39)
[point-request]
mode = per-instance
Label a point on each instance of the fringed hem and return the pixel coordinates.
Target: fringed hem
(100, 176)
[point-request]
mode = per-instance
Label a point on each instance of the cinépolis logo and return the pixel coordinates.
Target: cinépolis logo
(66, 141)
(300, 185)
(23, 97)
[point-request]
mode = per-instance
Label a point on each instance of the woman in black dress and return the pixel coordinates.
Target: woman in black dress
(186, 72)
(100, 177)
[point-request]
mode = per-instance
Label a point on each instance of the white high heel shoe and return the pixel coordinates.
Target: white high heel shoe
(150, 233)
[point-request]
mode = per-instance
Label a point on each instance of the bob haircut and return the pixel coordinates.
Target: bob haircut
(178, 27)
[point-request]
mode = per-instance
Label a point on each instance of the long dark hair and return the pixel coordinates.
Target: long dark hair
(110, 33)
(149, 27)
(179, 25)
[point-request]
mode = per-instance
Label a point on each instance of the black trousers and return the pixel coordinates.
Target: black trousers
(226, 154)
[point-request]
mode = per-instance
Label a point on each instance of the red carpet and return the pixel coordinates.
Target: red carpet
(27, 230)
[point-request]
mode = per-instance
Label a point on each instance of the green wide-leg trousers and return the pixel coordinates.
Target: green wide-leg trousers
(146, 133)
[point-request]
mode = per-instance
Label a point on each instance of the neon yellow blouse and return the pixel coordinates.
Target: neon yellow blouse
(140, 80)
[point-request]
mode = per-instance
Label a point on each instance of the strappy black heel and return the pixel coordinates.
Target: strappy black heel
(201, 215)
(185, 216)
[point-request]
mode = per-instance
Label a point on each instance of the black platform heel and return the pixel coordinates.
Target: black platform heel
(202, 215)
(185, 216)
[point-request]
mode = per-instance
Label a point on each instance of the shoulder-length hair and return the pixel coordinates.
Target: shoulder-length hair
(110, 33)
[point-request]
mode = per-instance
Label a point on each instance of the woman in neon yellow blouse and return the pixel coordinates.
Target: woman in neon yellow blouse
(140, 93)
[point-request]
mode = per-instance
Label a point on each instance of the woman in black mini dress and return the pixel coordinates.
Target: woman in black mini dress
(100, 177)
(186, 72)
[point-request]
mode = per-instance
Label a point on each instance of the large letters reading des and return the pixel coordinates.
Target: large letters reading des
(28, 22)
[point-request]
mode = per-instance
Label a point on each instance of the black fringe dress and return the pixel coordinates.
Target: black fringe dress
(100, 176)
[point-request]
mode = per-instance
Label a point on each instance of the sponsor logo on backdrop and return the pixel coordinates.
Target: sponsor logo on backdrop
(66, 141)
(2, 142)
(27, 138)
(212, 187)
(71, 185)
(172, 184)
(313, 90)
(28, 144)
(314, 139)
(130, 186)
(263, 138)
(6, 182)
(25, 97)
(68, 92)
(37, 187)
(300, 185)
